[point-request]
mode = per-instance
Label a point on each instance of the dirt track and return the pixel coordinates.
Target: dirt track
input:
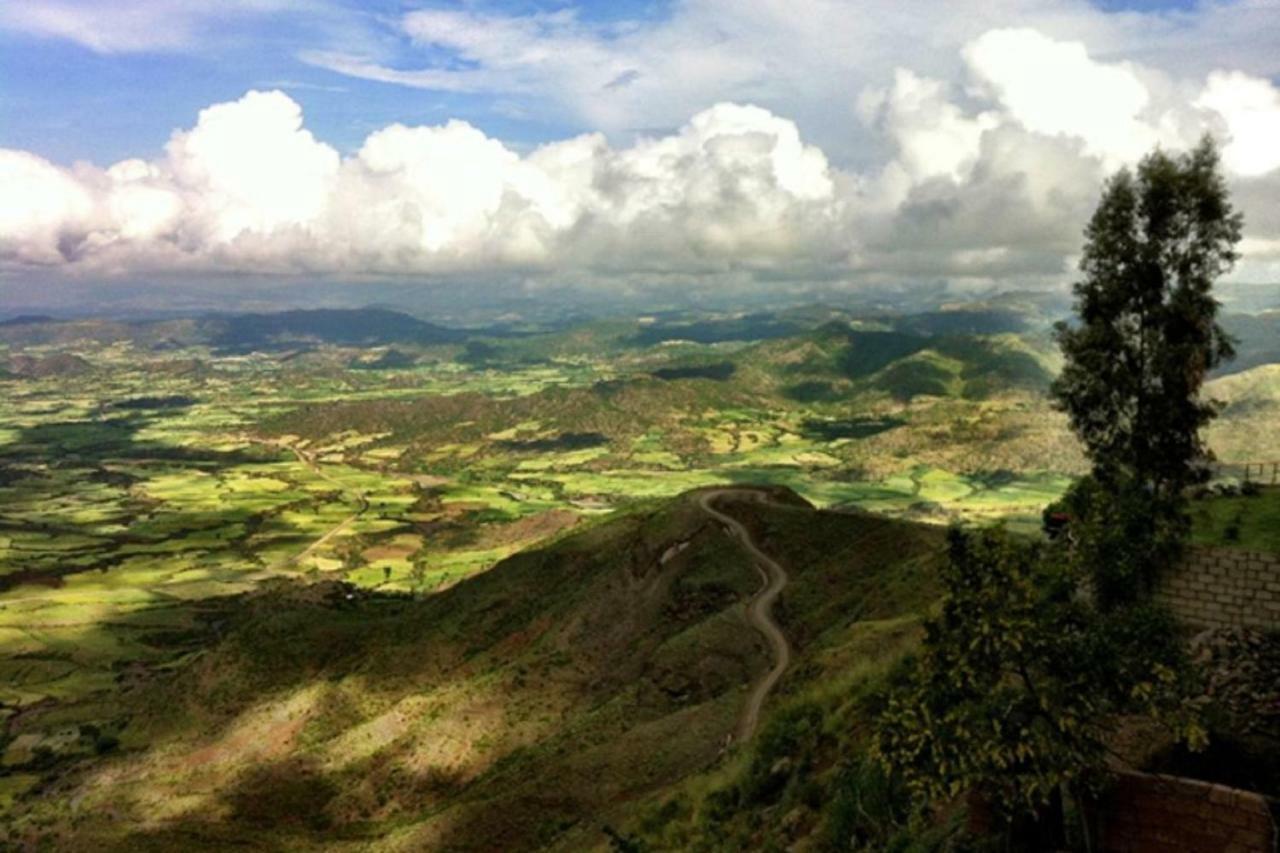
(759, 611)
(362, 501)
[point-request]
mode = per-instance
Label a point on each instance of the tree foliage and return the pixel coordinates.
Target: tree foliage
(1020, 681)
(1120, 538)
(1148, 331)
(1135, 362)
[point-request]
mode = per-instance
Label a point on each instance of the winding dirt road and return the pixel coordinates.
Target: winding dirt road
(760, 610)
(362, 504)
(307, 459)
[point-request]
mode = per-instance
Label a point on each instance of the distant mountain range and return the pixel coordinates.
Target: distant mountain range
(239, 333)
(359, 327)
(926, 350)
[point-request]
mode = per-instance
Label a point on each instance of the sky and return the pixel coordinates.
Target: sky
(707, 143)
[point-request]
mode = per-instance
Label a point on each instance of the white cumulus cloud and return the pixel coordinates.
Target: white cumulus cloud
(250, 166)
(40, 204)
(1250, 109)
(988, 177)
(1054, 88)
(248, 188)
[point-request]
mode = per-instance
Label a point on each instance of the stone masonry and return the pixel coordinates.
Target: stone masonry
(1224, 588)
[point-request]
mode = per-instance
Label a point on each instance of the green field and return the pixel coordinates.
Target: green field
(150, 493)
(157, 480)
(1250, 521)
(136, 495)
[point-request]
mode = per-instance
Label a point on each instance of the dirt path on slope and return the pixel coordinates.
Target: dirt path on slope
(362, 500)
(362, 505)
(759, 611)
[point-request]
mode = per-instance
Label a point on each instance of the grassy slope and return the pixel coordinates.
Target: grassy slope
(806, 782)
(1251, 522)
(518, 709)
(859, 587)
(1246, 430)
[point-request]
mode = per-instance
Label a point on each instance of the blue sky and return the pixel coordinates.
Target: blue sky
(698, 142)
(69, 101)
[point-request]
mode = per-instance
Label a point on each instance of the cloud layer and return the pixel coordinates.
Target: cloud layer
(990, 180)
(136, 25)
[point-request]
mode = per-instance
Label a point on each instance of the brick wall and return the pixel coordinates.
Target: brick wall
(1224, 588)
(1167, 814)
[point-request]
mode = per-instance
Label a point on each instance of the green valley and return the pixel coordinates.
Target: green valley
(385, 581)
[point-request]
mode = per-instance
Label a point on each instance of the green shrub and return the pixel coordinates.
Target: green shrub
(784, 749)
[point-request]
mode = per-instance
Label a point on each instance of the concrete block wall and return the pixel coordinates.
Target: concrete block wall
(1146, 813)
(1224, 588)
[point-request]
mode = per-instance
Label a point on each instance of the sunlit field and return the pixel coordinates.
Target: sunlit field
(150, 494)
(134, 494)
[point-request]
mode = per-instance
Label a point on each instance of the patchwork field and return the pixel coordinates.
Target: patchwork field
(151, 484)
(522, 709)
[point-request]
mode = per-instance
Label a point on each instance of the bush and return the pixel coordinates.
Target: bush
(784, 748)
(869, 807)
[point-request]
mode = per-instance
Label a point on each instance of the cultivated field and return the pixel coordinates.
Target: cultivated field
(149, 485)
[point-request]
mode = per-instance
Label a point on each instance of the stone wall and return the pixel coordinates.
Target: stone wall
(1168, 814)
(1224, 588)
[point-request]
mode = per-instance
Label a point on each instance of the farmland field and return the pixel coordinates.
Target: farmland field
(132, 496)
(146, 488)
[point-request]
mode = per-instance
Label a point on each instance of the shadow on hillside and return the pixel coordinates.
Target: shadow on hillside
(82, 450)
(594, 621)
(587, 622)
(858, 427)
(66, 443)
(719, 372)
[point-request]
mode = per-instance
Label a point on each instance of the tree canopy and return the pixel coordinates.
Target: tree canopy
(1020, 682)
(1148, 333)
(1147, 336)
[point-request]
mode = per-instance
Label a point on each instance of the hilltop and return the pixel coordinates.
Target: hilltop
(56, 365)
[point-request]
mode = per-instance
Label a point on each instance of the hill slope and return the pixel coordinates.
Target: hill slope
(1246, 429)
(239, 333)
(838, 360)
(521, 709)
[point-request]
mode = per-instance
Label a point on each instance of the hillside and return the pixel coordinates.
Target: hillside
(1246, 430)
(238, 333)
(838, 360)
(526, 707)
(51, 366)
(350, 327)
